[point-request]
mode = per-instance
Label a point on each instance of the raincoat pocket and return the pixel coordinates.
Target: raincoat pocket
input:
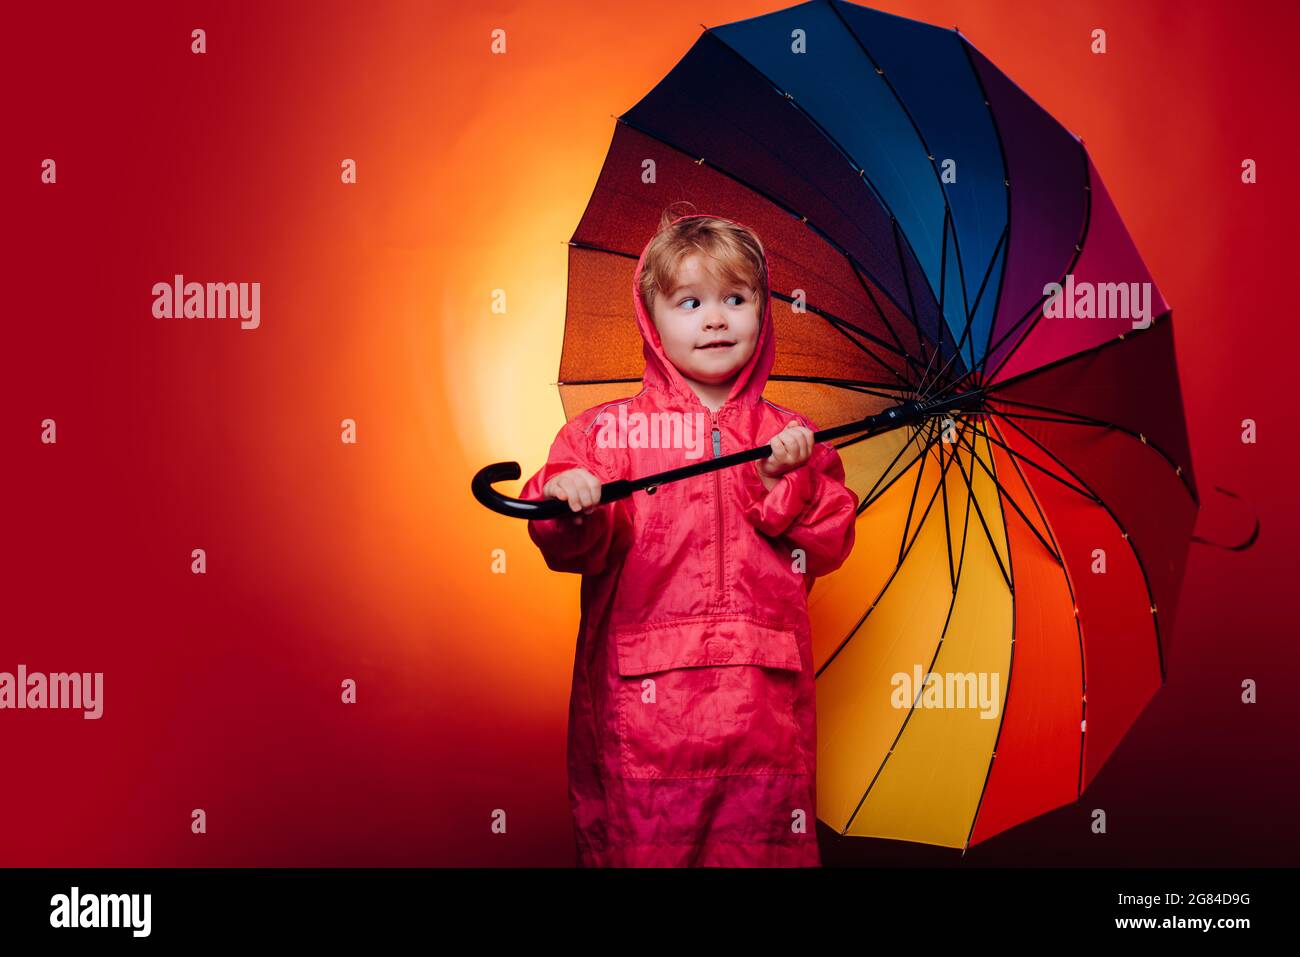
(708, 696)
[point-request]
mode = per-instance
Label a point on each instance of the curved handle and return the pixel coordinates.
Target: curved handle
(531, 509)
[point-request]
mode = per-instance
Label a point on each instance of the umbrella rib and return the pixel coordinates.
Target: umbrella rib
(975, 456)
(940, 324)
(943, 281)
(952, 602)
(839, 147)
(1078, 418)
(944, 466)
(1053, 546)
(970, 500)
(984, 282)
(1042, 468)
(877, 490)
(874, 495)
(826, 237)
(899, 239)
(1009, 498)
(907, 551)
(943, 293)
(905, 548)
(830, 317)
(836, 323)
(1056, 418)
(902, 349)
(596, 381)
(1011, 655)
(886, 391)
(1006, 179)
(1036, 309)
(947, 208)
(854, 441)
(996, 387)
(947, 519)
(858, 269)
(939, 377)
(943, 264)
(834, 319)
(943, 636)
(1078, 625)
(1002, 384)
(905, 542)
(968, 308)
(1155, 621)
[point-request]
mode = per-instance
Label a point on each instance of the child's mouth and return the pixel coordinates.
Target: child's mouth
(717, 345)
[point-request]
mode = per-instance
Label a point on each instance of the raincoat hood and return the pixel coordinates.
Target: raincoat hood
(662, 376)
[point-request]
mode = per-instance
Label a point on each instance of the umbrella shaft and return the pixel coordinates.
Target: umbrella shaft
(911, 412)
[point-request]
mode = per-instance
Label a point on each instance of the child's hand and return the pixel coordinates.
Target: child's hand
(578, 487)
(791, 448)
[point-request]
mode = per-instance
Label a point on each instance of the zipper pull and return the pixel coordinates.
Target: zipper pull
(717, 436)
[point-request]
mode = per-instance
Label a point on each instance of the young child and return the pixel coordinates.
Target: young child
(692, 723)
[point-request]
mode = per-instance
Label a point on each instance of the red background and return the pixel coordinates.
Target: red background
(329, 561)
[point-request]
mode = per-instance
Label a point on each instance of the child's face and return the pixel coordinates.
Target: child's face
(701, 310)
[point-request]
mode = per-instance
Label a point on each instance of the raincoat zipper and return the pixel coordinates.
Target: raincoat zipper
(717, 499)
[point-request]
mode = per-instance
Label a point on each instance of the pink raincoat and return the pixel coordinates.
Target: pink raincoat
(692, 723)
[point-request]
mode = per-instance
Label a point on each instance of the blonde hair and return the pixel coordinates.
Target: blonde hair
(730, 253)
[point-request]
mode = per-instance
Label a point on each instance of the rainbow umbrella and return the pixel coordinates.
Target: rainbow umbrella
(1007, 611)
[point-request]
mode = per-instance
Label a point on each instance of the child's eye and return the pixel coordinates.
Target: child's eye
(735, 295)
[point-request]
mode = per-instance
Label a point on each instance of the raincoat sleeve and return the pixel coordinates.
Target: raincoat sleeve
(582, 544)
(809, 508)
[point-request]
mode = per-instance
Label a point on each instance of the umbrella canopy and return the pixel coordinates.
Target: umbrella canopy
(1006, 613)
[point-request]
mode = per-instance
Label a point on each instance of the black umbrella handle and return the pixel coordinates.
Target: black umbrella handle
(908, 413)
(532, 509)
